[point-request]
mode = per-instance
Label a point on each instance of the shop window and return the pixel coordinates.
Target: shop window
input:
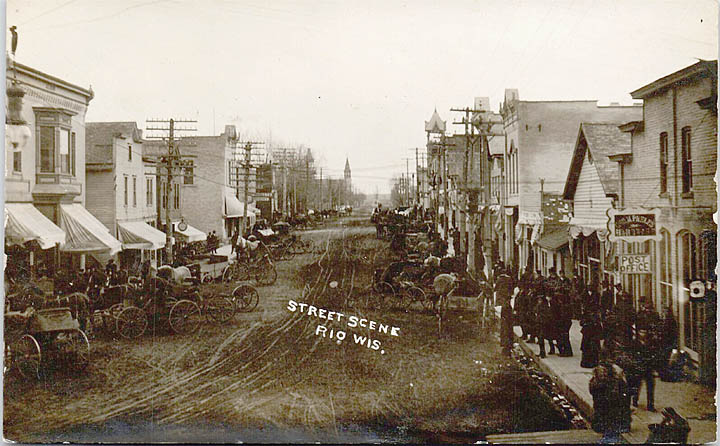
(686, 160)
(688, 266)
(663, 162)
(665, 282)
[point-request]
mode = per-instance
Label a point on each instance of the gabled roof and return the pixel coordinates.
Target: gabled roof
(601, 140)
(99, 138)
(703, 68)
(435, 124)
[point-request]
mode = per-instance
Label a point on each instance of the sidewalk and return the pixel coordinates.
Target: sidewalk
(694, 402)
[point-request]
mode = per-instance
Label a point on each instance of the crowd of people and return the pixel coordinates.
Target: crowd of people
(626, 348)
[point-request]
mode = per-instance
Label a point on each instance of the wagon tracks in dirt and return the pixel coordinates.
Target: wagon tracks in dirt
(248, 362)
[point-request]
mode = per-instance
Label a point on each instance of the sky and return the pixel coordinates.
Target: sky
(353, 79)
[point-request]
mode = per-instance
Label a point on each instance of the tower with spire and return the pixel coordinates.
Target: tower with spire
(348, 180)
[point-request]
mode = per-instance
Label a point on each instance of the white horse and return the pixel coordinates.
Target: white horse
(181, 274)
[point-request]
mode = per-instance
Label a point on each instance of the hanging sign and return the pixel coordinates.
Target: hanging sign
(633, 225)
(634, 264)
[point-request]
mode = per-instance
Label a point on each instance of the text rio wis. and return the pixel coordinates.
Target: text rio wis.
(349, 321)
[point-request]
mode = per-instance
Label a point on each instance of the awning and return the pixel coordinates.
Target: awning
(587, 226)
(140, 235)
(530, 218)
(190, 234)
(234, 209)
(84, 232)
(23, 223)
(553, 240)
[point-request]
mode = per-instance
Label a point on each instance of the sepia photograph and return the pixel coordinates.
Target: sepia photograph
(360, 221)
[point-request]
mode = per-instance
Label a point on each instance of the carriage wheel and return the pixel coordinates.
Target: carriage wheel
(295, 247)
(246, 298)
(309, 246)
(384, 292)
(74, 349)
(26, 356)
(206, 278)
(266, 275)
(228, 273)
(415, 294)
(219, 309)
(184, 317)
(131, 322)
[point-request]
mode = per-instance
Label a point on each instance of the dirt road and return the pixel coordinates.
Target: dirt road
(269, 372)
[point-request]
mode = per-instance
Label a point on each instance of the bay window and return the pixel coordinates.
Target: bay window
(55, 142)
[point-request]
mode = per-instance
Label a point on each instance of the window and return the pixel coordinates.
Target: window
(47, 149)
(686, 160)
(64, 147)
(189, 171)
(149, 192)
(72, 153)
(54, 141)
(666, 286)
(688, 267)
(177, 196)
(134, 191)
(163, 193)
(17, 159)
(126, 190)
(129, 152)
(663, 162)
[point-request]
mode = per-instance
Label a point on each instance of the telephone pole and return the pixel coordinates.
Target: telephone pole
(247, 165)
(170, 163)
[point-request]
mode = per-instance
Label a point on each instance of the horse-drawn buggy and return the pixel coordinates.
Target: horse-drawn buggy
(49, 339)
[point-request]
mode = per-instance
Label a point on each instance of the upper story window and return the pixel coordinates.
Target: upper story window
(129, 152)
(189, 172)
(126, 190)
(663, 162)
(149, 192)
(134, 191)
(55, 141)
(686, 160)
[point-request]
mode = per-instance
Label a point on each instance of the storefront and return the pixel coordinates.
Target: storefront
(31, 240)
(84, 235)
(233, 212)
(140, 242)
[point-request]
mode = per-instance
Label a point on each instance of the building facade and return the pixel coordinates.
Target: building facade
(670, 169)
(121, 189)
(538, 131)
(45, 186)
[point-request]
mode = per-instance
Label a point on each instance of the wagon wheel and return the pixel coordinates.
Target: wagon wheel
(383, 292)
(246, 298)
(228, 273)
(219, 309)
(26, 356)
(415, 294)
(184, 317)
(295, 247)
(266, 274)
(131, 322)
(309, 246)
(74, 349)
(206, 278)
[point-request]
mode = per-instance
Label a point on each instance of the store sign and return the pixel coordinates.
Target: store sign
(634, 264)
(633, 225)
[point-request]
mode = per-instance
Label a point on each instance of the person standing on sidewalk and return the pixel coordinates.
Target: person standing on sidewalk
(591, 336)
(544, 314)
(668, 341)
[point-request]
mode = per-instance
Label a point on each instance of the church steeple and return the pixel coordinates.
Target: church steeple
(347, 169)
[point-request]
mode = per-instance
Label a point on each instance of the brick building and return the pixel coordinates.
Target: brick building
(670, 169)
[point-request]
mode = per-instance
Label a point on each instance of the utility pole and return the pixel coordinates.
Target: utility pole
(417, 179)
(170, 163)
(247, 165)
(322, 197)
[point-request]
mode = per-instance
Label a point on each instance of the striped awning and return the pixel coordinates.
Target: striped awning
(23, 223)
